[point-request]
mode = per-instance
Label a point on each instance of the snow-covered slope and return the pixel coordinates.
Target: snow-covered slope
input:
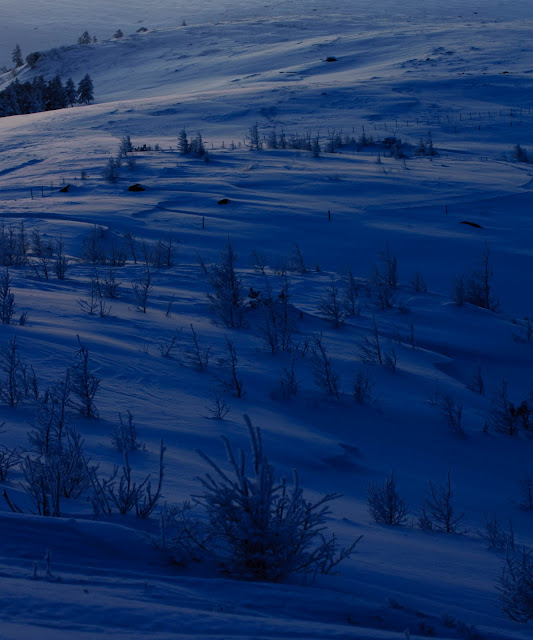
(229, 68)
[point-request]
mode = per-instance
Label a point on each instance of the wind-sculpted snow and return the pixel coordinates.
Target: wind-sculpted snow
(424, 106)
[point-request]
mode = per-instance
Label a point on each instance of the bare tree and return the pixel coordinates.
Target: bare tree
(167, 349)
(476, 287)
(219, 407)
(61, 262)
(288, 381)
(385, 504)
(227, 299)
(350, 294)
(20, 382)
(516, 585)
(526, 487)
(128, 494)
(198, 356)
(479, 284)
(278, 325)
(84, 383)
(331, 307)
(90, 303)
(7, 298)
(324, 375)
(496, 537)
(452, 411)
(142, 287)
(363, 386)
(296, 260)
(233, 383)
(124, 436)
(370, 347)
(438, 511)
(418, 283)
(506, 417)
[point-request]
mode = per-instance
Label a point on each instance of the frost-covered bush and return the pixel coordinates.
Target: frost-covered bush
(262, 529)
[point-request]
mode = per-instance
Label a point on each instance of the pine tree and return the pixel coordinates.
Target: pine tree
(254, 140)
(183, 143)
(17, 57)
(85, 38)
(85, 90)
(197, 148)
(70, 92)
(55, 96)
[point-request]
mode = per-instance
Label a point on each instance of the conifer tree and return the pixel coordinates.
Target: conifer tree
(85, 90)
(70, 92)
(183, 143)
(17, 57)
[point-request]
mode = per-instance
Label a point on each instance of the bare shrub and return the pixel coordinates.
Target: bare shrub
(331, 307)
(125, 494)
(438, 511)
(496, 537)
(452, 410)
(227, 299)
(385, 504)
(219, 408)
(233, 382)
(516, 585)
(506, 417)
(84, 383)
(324, 375)
(142, 287)
(168, 348)
(124, 436)
(20, 382)
(197, 355)
(363, 386)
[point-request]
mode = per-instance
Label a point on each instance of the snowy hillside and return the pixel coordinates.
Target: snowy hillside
(410, 212)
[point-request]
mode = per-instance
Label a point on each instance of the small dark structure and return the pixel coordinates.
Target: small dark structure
(64, 189)
(472, 224)
(136, 187)
(331, 59)
(224, 201)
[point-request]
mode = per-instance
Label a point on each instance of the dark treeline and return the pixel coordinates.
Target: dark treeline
(41, 95)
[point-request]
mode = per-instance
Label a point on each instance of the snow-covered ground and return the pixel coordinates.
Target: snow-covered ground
(464, 74)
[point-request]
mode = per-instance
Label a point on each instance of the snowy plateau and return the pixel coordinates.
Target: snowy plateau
(405, 217)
